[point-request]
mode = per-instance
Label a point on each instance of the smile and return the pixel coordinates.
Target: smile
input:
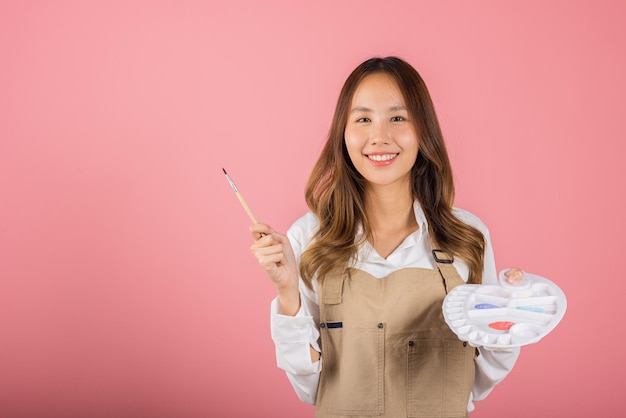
(382, 157)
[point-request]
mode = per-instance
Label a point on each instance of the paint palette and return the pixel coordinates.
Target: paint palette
(505, 315)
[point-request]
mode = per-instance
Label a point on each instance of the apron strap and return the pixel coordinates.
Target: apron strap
(450, 276)
(332, 288)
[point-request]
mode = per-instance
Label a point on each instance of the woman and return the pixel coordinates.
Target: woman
(365, 272)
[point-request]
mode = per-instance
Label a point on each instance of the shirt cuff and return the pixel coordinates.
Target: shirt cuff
(292, 336)
(492, 366)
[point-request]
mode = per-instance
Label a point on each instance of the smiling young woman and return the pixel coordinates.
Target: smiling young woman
(357, 321)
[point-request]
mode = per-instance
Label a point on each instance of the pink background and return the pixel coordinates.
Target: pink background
(126, 284)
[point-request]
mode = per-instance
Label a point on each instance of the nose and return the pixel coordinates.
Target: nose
(379, 134)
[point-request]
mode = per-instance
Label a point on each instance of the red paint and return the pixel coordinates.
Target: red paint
(501, 325)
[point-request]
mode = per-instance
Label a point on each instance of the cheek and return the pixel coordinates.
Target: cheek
(352, 144)
(411, 143)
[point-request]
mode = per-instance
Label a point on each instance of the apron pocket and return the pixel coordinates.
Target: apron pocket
(352, 371)
(440, 375)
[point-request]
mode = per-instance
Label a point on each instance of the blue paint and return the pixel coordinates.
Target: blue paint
(485, 306)
(532, 309)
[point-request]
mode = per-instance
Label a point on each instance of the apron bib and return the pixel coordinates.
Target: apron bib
(386, 348)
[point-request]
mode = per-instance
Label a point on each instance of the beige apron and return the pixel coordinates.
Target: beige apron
(386, 348)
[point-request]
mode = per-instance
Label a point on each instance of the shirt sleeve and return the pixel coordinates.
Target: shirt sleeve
(292, 335)
(493, 364)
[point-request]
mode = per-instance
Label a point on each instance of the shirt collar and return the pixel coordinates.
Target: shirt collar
(420, 217)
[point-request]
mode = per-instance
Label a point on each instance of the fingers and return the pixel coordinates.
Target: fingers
(514, 275)
(266, 246)
(274, 253)
(268, 251)
(260, 230)
(271, 261)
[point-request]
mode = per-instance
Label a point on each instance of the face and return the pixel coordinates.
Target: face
(380, 137)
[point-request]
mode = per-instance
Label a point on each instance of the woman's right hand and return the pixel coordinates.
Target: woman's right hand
(275, 255)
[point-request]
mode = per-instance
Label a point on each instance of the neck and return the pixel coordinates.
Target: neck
(390, 209)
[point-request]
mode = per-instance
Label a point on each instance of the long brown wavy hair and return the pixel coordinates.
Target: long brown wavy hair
(335, 190)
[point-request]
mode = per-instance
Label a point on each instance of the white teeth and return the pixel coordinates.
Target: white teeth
(384, 157)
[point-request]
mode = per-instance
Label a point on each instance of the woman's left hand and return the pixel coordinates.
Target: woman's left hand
(514, 275)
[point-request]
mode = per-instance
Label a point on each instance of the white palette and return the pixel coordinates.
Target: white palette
(505, 315)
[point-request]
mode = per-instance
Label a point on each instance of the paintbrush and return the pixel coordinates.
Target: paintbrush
(240, 197)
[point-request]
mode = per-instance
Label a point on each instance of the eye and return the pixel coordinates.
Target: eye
(363, 120)
(398, 119)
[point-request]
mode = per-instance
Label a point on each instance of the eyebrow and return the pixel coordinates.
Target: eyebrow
(367, 109)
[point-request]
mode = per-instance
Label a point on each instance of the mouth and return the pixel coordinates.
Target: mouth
(381, 158)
